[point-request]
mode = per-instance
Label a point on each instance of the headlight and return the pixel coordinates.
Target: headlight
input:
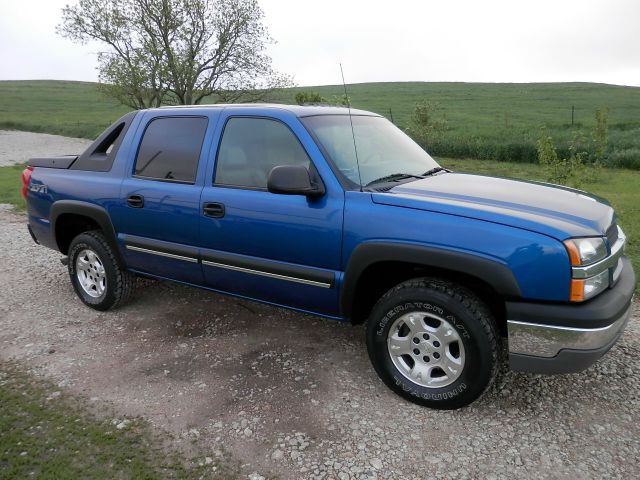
(585, 251)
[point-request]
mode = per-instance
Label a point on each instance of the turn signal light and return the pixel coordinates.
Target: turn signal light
(577, 290)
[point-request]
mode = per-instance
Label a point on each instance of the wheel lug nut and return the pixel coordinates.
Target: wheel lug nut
(436, 355)
(436, 344)
(425, 336)
(416, 340)
(416, 351)
(425, 358)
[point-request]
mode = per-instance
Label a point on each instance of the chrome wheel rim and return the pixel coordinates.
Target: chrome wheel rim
(90, 273)
(426, 349)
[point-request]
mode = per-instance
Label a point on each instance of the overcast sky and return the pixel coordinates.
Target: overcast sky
(377, 41)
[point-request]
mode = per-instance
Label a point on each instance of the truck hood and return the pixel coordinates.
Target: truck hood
(559, 212)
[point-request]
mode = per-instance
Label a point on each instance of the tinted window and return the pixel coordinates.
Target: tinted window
(170, 149)
(251, 147)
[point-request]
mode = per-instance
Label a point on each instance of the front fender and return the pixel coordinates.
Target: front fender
(496, 274)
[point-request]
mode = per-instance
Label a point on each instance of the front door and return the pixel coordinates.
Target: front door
(284, 249)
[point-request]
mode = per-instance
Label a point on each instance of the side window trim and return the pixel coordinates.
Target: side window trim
(169, 180)
(221, 139)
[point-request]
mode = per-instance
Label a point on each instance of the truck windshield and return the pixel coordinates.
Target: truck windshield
(385, 153)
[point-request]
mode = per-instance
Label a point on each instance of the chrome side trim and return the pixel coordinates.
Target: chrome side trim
(266, 274)
(161, 254)
(612, 260)
(547, 340)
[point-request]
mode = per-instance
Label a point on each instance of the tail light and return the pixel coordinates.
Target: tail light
(26, 178)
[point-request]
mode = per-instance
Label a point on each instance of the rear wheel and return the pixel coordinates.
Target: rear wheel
(433, 342)
(95, 273)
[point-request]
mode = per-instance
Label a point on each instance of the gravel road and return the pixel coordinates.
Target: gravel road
(293, 396)
(18, 147)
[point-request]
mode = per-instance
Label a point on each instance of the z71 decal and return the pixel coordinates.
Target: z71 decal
(38, 188)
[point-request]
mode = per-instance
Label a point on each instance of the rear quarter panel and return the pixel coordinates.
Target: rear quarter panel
(99, 188)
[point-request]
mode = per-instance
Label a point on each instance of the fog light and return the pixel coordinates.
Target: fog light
(595, 285)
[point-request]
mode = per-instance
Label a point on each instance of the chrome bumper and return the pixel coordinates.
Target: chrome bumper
(564, 338)
(547, 341)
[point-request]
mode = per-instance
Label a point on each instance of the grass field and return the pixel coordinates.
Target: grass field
(487, 121)
(48, 434)
(74, 109)
(10, 186)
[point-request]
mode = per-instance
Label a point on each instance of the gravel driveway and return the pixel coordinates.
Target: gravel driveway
(18, 147)
(293, 396)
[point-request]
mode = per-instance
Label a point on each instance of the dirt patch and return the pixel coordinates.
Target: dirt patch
(294, 396)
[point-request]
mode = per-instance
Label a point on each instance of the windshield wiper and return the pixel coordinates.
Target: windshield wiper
(394, 177)
(434, 171)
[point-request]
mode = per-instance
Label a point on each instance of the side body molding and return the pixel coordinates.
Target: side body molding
(90, 210)
(496, 274)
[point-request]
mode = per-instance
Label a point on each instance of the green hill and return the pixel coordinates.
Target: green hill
(492, 121)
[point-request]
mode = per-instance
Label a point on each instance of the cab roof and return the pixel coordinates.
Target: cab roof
(297, 110)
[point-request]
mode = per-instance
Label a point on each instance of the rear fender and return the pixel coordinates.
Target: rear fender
(91, 211)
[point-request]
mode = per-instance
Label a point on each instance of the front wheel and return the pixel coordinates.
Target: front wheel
(95, 274)
(433, 342)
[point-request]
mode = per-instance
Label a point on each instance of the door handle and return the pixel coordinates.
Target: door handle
(135, 201)
(214, 210)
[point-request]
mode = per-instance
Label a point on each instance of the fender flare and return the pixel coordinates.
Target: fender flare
(90, 210)
(496, 274)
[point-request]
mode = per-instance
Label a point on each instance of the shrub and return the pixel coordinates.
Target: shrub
(314, 98)
(303, 98)
(572, 170)
(625, 158)
(427, 123)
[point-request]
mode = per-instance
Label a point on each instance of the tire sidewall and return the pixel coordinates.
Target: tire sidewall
(477, 371)
(87, 242)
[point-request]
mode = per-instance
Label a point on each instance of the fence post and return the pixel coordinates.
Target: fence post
(572, 111)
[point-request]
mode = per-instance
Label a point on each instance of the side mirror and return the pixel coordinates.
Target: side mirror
(293, 180)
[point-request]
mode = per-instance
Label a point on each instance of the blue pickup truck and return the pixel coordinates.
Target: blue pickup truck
(337, 213)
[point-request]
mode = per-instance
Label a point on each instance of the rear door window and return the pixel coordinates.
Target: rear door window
(170, 149)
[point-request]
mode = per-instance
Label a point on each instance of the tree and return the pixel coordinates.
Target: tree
(176, 51)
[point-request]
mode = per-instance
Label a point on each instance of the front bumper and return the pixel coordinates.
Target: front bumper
(568, 338)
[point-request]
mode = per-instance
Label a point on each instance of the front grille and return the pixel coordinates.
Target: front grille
(612, 234)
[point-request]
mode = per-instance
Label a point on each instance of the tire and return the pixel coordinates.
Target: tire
(95, 274)
(433, 342)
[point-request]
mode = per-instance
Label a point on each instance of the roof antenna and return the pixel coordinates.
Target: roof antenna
(353, 134)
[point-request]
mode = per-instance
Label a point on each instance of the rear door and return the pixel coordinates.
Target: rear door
(285, 249)
(158, 210)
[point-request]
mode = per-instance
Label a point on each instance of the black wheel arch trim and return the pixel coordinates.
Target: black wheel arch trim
(89, 210)
(496, 274)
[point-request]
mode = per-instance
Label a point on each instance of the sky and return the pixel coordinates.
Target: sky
(379, 41)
